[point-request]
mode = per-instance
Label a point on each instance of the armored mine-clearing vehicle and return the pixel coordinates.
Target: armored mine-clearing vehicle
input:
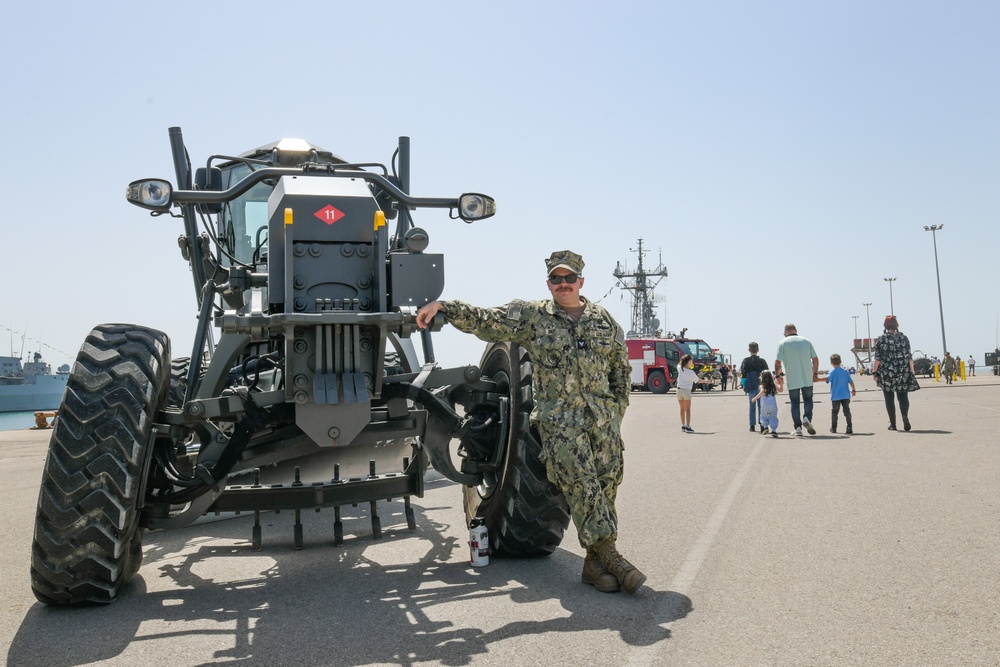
(313, 304)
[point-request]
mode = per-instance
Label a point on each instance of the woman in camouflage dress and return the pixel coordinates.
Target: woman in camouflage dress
(893, 371)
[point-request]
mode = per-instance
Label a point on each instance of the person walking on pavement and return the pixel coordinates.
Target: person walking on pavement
(971, 365)
(841, 390)
(893, 371)
(750, 371)
(581, 390)
(724, 369)
(767, 398)
(796, 359)
(948, 367)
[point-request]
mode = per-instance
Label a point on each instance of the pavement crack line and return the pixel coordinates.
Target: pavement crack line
(695, 559)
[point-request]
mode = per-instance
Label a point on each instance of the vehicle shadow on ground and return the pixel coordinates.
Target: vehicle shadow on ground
(353, 604)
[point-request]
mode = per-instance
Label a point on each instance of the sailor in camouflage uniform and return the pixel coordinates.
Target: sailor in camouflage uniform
(581, 390)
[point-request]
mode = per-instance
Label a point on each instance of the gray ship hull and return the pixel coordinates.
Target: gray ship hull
(45, 393)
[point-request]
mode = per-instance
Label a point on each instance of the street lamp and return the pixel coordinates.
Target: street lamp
(868, 316)
(892, 310)
(933, 230)
(868, 343)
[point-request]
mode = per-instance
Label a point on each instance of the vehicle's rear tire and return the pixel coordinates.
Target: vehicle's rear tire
(657, 383)
(526, 515)
(87, 543)
(178, 381)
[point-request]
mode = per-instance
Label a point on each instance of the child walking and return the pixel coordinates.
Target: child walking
(841, 389)
(768, 397)
(686, 379)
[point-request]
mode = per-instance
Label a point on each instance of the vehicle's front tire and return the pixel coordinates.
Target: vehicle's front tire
(87, 543)
(526, 515)
(657, 383)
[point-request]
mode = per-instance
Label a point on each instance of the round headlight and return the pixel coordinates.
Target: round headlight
(155, 193)
(474, 206)
(152, 193)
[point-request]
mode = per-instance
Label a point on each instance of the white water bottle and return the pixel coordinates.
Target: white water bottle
(479, 543)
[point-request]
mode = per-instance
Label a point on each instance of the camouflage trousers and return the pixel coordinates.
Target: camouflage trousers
(587, 465)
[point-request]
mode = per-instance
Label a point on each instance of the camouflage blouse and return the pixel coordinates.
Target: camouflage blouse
(577, 365)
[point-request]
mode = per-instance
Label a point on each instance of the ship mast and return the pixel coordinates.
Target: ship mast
(640, 284)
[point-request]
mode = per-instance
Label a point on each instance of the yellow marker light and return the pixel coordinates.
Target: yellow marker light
(379, 220)
(288, 216)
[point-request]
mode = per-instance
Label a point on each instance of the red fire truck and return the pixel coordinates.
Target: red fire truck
(654, 361)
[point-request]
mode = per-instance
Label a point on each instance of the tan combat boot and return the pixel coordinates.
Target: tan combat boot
(595, 574)
(627, 574)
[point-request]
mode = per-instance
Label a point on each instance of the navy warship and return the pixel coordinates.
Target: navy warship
(30, 386)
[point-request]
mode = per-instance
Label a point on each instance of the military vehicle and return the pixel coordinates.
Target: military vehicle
(922, 365)
(313, 304)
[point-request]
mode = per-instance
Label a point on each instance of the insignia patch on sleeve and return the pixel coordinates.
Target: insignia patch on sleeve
(514, 310)
(620, 334)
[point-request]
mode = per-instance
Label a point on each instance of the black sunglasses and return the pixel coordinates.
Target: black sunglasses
(558, 280)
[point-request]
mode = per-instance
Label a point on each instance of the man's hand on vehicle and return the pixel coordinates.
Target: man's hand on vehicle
(426, 314)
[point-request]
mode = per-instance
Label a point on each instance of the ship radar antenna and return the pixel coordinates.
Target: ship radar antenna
(640, 285)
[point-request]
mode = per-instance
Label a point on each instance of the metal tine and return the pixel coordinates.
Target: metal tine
(411, 519)
(338, 525)
(255, 539)
(298, 513)
(376, 521)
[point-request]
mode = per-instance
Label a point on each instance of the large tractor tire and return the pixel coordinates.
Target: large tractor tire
(526, 515)
(178, 381)
(88, 543)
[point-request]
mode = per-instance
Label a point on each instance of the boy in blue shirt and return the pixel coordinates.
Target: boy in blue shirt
(841, 390)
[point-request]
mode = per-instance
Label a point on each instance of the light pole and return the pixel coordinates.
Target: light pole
(933, 230)
(855, 326)
(868, 317)
(892, 310)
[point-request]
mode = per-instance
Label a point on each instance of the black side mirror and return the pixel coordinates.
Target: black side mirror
(209, 179)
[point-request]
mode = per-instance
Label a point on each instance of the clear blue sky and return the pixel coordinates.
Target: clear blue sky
(783, 156)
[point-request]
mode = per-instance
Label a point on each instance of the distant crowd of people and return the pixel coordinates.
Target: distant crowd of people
(796, 368)
(950, 367)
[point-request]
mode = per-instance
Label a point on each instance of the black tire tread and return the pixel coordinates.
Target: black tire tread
(87, 542)
(526, 515)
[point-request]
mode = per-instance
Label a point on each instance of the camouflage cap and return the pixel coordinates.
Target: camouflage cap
(566, 259)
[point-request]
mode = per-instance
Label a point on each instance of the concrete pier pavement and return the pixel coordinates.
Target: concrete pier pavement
(879, 548)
